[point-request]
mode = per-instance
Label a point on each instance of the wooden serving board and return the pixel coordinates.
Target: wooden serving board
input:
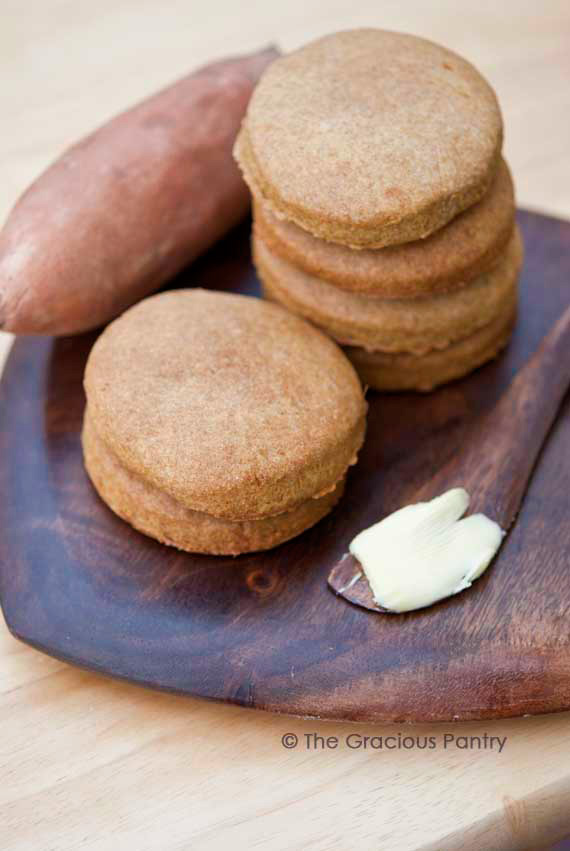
(265, 631)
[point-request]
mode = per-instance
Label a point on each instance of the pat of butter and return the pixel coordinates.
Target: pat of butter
(425, 552)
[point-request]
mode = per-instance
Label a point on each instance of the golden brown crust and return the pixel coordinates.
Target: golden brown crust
(388, 372)
(415, 325)
(153, 512)
(447, 260)
(370, 138)
(230, 405)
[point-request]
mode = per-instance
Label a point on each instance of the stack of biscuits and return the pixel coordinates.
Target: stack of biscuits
(383, 209)
(219, 423)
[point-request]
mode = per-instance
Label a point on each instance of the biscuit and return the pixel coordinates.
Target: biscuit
(370, 138)
(415, 325)
(400, 371)
(219, 405)
(447, 260)
(159, 516)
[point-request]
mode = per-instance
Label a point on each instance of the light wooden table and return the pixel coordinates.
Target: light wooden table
(87, 763)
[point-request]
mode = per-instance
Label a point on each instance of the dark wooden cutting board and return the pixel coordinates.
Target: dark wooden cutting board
(265, 631)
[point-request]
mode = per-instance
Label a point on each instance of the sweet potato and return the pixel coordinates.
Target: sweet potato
(130, 205)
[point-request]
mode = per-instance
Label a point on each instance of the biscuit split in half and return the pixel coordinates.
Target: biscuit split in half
(383, 210)
(219, 423)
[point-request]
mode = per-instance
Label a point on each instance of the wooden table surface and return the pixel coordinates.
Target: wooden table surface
(87, 763)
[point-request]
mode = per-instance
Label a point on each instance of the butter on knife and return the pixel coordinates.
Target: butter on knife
(425, 552)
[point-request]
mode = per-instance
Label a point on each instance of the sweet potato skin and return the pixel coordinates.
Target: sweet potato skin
(129, 206)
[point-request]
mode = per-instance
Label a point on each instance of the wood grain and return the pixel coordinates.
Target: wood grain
(264, 631)
(497, 453)
(94, 764)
